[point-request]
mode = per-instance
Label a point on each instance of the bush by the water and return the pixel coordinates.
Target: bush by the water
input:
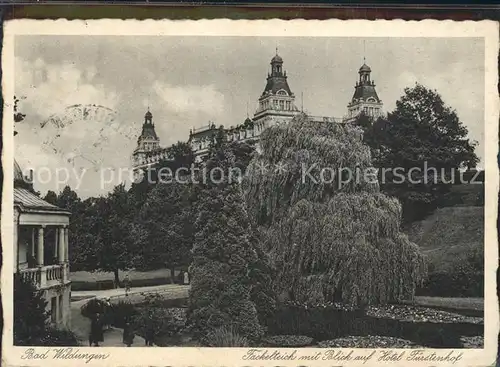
(226, 337)
(287, 341)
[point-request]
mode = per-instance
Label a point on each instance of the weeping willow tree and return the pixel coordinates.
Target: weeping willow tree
(332, 235)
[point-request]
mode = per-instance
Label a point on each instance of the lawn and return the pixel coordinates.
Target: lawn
(87, 281)
(86, 276)
(476, 304)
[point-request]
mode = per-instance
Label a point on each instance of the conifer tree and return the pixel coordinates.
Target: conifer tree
(221, 281)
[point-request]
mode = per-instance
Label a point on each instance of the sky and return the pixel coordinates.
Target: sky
(188, 81)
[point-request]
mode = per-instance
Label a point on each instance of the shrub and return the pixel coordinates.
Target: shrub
(31, 319)
(157, 321)
(92, 307)
(58, 338)
(442, 284)
(122, 312)
(226, 337)
(30, 315)
(464, 279)
(293, 341)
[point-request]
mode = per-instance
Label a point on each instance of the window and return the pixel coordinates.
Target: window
(288, 106)
(276, 104)
(282, 105)
(282, 92)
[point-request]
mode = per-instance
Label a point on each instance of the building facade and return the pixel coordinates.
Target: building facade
(276, 105)
(41, 248)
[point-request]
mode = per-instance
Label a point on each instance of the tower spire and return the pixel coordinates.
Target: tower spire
(364, 51)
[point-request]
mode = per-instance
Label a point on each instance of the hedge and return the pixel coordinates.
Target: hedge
(109, 284)
(441, 284)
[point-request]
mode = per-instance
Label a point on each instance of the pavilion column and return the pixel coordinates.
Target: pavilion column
(61, 243)
(33, 242)
(66, 243)
(40, 252)
(65, 251)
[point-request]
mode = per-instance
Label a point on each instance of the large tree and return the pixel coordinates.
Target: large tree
(421, 130)
(167, 227)
(331, 236)
(103, 240)
(221, 287)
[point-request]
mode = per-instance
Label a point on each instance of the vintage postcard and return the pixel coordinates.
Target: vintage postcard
(250, 193)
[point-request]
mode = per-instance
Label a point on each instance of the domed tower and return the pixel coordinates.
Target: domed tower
(365, 99)
(148, 141)
(277, 102)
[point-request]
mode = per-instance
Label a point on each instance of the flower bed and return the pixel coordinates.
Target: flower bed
(420, 314)
(472, 341)
(295, 341)
(369, 341)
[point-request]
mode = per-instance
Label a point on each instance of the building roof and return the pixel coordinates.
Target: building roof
(365, 68)
(276, 83)
(276, 58)
(365, 91)
(18, 173)
(29, 202)
(148, 131)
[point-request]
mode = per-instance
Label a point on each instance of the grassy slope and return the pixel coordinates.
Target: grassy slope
(448, 233)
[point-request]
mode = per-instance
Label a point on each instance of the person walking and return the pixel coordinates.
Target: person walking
(128, 334)
(126, 284)
(96, 332)
(108, 313)
(149, 330)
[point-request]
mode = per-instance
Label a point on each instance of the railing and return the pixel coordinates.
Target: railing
(46, 276)
(54, 272)
(31, 275)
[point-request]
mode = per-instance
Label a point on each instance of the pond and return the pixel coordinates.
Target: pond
(420, 326)
(423, 326)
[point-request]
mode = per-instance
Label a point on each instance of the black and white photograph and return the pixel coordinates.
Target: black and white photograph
(267, 192)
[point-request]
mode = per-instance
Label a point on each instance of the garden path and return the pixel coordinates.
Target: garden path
(113, 337)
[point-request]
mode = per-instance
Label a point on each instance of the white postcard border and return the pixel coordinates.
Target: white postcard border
(488, 30)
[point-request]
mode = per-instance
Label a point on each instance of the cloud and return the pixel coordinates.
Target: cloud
(49, 88)
(190, 98)
(83, 132)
